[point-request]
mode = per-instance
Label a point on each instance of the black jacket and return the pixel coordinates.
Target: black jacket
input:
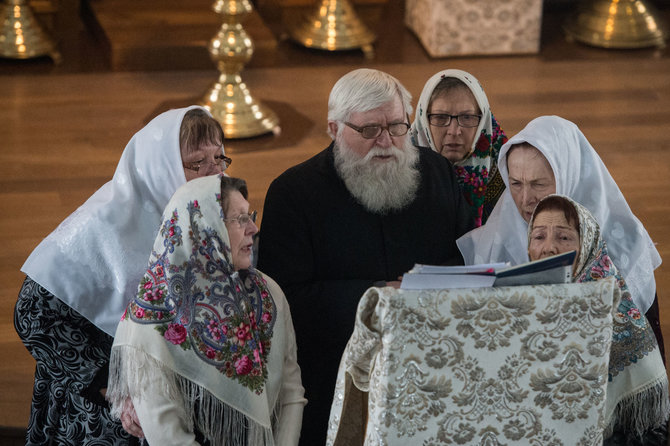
(325, 249)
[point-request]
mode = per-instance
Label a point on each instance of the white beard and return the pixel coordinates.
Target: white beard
(383, 186)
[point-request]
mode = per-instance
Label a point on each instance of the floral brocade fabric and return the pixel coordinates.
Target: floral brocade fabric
(488, 366)
(200, 304)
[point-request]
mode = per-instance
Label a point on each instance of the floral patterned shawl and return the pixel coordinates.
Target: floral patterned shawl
(211, 331)
(637, 392)
(477, 173)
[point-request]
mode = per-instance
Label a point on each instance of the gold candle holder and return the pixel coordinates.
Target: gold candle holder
(334, 25)
(617, 24)
(21, 36)
(228, 99)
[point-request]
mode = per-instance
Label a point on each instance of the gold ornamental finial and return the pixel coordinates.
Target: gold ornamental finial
(228, 99)
(617, 24)
(333, 25)
(21, 36)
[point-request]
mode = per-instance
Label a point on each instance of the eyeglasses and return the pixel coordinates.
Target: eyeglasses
(373, 131)
(221, 161)
(243, 219)
(443, 120)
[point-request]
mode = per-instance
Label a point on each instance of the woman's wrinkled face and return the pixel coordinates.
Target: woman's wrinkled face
(241, 236)
(206, 160)
(552, 234)
(530, 178)
(453, 141)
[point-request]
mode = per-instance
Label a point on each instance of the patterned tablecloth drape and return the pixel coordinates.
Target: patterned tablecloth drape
(487, 366)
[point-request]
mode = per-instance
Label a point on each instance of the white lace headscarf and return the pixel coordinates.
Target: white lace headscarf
(582, 176)
(94, 260)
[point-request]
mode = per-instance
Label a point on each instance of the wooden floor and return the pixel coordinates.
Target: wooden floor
(62, 130)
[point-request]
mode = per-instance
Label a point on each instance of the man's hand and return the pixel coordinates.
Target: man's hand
(129, 419)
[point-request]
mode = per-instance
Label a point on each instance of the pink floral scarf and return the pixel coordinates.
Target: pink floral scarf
(209, 327)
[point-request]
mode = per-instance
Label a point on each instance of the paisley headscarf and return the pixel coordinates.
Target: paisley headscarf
(581, 175)
(95, 258)
(637, 391)
(477, 172)
(209, 332)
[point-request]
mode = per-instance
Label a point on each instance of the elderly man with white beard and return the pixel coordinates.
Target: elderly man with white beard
(361, 212)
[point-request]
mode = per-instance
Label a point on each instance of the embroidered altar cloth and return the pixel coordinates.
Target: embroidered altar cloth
(489, 366)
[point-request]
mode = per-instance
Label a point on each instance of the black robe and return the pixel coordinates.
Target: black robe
(325, 249)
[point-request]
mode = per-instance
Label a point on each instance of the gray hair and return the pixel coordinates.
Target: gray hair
(446, 85)
(362, 90)
(229, 185)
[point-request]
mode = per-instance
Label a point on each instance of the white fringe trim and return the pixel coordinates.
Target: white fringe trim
(642, 411)
(218, 422)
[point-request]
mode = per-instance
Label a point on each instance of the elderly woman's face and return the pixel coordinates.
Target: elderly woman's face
(241, 236)
(207, 160)
(453, 141)
(552, 234)
(530, 178)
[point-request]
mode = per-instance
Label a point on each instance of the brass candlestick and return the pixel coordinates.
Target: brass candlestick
(21, 36)
(334, 25)
(228, 99)
(617, 24)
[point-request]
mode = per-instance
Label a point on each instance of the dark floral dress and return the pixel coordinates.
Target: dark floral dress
(72, 358)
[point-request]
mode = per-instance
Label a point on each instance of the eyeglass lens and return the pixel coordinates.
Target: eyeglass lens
(245, 219)
(373, 131)
(443, 120)
(221, 161)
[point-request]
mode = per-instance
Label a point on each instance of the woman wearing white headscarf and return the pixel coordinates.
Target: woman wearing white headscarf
(471, 140)
(79, 277)
(578, 173)
(206, 348)
(581, 175)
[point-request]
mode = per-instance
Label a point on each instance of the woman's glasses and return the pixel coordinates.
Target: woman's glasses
(220, 161)
(243, 219)
(444, 119)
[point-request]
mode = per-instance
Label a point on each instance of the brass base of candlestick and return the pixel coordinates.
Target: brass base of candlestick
(21, 36)
(617, 24)
(240, 115)
(228, 99)
(334, 25)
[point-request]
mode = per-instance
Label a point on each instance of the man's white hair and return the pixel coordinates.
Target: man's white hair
(362, 90)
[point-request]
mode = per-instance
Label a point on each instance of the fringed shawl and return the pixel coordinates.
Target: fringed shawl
(478, 170)
(210, 336)
(637, 391)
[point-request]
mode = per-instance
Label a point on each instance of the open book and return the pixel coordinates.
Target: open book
(550, 270)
